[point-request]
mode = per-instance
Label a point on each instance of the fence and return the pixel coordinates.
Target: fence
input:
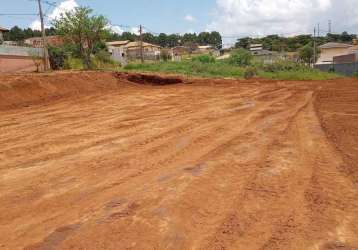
(348, 69)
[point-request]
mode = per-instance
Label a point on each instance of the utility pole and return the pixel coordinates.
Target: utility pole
(45, 55)
(329, 26)
(314, 45)
(141, 43)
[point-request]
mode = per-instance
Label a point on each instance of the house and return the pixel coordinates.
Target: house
(256, 47)
(2, 31)
(204, 49)
(180, 51)
(331, 50)
(339, 57)
(116, 44)
(37, 42)
(132, 50)
(349, 58)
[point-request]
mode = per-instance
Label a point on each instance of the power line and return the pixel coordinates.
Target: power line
(18, 14)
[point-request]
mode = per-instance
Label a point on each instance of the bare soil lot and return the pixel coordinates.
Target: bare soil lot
(100, 161)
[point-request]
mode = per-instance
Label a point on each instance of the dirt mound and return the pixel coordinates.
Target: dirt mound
(148, 79)
(23, 90)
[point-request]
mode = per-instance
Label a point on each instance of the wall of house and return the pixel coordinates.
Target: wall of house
(350, 58)
(326, 56)
(11, 64)
(348, 69)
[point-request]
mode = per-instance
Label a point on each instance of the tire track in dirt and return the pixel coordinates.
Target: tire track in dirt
(233, 165)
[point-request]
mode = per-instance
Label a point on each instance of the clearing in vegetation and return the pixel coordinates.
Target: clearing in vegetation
(120, 161)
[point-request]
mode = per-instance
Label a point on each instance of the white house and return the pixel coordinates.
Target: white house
(331, 50)
(2, 31)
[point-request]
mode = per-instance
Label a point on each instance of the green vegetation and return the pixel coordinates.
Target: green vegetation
(171, 40)
(282, 70)
(241, 57)
(204, 59)
(84, 29)
(294, 43)
(190, 68)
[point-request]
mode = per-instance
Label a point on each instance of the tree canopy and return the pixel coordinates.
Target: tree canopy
(84, 29)
(279, 43)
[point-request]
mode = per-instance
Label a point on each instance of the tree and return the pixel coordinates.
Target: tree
(306, 53)
(163, 40)
(215, 39)
(15, 34)
(83, 28)
(243, 43)
(240, 57)
(189, 38)
(127, 36)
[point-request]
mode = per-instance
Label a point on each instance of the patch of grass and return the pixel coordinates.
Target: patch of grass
(74, 63)
(190, 68)
(301, 74)
(224, 69)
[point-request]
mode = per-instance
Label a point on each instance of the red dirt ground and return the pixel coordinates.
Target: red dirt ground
(100, 161)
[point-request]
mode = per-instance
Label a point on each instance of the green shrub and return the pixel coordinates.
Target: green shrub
(103, 56)
(282, 65)
(204, 59)
(250, 72)
(57, 58)
(240, 57)
(73, 63)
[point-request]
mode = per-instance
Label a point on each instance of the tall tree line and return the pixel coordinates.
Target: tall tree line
(18, 34)
(279, 43)
(167, 41)
(164, 40)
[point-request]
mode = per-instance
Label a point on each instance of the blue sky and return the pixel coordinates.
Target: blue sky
(169, 16)
(232, 18)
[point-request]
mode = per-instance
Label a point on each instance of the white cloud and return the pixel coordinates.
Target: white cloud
(263, 17)
(36, 25)
(63, 7)
(135, 30)
(189, 18)
(115, 28)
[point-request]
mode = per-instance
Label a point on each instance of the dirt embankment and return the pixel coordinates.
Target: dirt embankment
(25, 90)
(109, 161)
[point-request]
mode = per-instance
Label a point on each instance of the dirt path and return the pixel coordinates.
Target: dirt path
(206, 165)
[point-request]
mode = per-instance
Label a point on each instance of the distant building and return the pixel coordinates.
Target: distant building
(180, 51)
(256, 47)
(331, 50)
(338, 57)
(11, 43)
(349, 58)
(2, 31)
(134, 49)
(37, 42)
(121, 50)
